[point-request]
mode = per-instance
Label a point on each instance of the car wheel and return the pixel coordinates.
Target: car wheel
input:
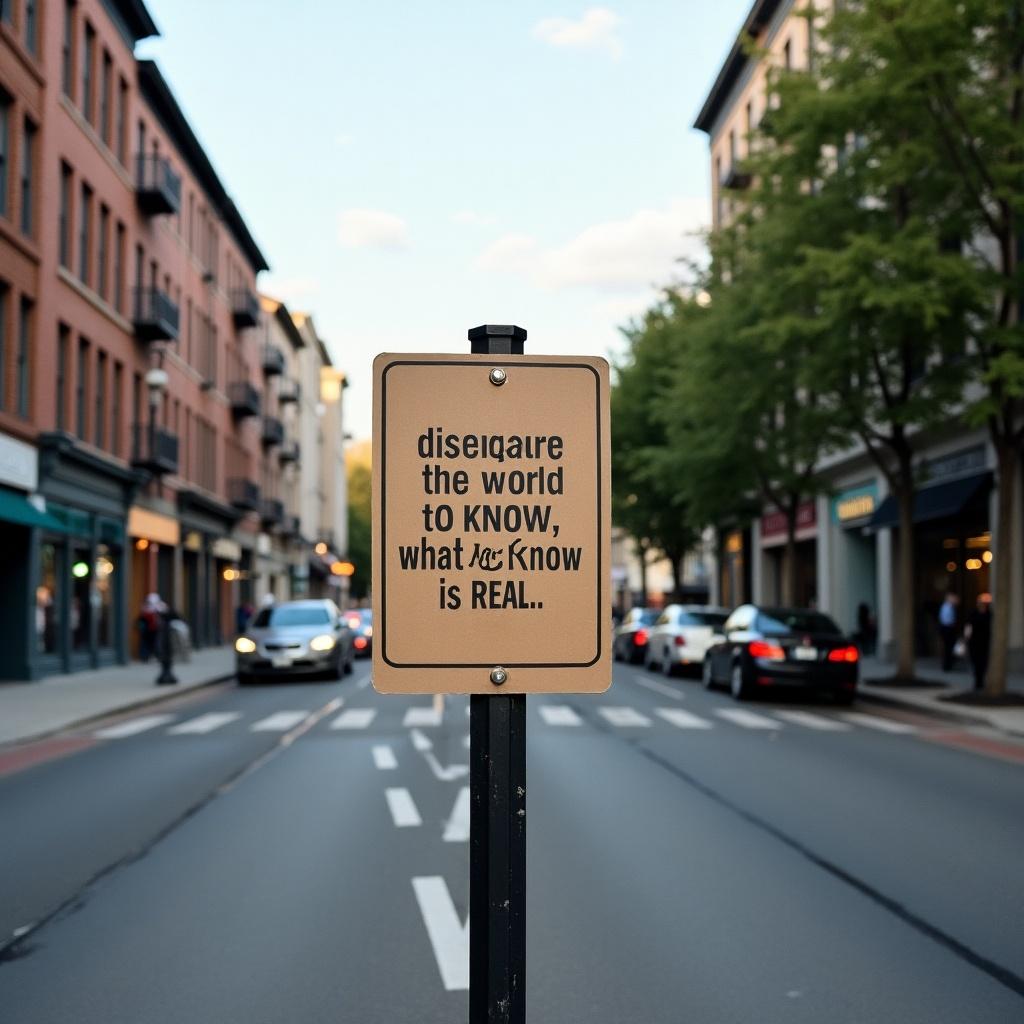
(737, 684)
(337, 669)
(350, 663)
(667, 668)
(649, 662)
(707, 676)
(244, 679)
(845, 697)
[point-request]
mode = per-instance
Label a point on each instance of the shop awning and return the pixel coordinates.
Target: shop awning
(16, 508)
(935, 502)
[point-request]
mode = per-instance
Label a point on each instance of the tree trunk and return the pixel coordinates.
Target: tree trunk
(789, 574)
(904, 596)
(642, 552)
(1002, 562)
(677, 578)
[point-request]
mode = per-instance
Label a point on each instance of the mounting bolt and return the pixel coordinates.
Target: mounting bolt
(497, 376)
(499, 676)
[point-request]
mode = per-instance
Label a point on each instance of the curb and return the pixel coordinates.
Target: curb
(143, 702)
(942, 714)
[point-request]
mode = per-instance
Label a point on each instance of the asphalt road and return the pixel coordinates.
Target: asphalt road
(299, 854)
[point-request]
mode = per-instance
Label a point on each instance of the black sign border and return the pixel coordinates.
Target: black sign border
(509, 361)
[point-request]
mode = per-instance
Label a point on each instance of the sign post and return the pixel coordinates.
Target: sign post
(491, 559)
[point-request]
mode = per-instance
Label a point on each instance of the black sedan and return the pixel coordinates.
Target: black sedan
(629, 642)
(765, 649)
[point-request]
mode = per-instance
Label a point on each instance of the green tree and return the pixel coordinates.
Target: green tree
(359, 536)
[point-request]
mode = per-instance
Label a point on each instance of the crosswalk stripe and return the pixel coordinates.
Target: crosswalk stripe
(132, 727)
(747, 719)
(876, 722)
(559, 714)
(810, 721)
(624, 717)
(417, 716)
(384, 758)
(279, 721)
(682, 719)
(204, 723)
(403, 810)
(354, 718)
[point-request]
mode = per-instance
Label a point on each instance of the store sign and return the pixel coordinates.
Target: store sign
(154, 527)
(19, 464)
(226, 548)
(962, 463)
(491, 546)
(734, 542)
(855, 504)
(774, 523)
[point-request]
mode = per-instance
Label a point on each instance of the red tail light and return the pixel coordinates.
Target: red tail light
(359, 643)
(764, 649)
(844, 654)
(640, 637)
(680, 641)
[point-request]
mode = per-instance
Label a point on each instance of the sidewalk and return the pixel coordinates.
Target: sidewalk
(874, 672)
(29, 710)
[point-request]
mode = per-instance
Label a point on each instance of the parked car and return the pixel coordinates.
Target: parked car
(295, 638)
(682, 634)
(762, 649)
(629, 641)
(360, 621)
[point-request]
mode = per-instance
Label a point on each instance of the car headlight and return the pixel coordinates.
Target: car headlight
(369, 630)
(244, 645)
(321, 643)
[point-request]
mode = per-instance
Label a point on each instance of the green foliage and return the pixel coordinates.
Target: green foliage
(359, 553)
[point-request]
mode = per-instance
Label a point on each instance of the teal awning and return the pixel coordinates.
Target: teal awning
(16, 508)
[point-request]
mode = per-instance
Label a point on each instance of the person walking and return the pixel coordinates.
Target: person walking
(867, 628)
(149, 623)
(978, 634)
(948, 630)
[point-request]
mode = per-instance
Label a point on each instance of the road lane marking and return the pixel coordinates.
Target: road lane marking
(204, 723)
(133, 727)
(682, 719)
(279, 721)
(559, 714)
(364, 682)
(449, 937)
(416, 716)
(747, 719)
(354, 718)
(384, 758)
(874, 722)
(467, 741)
(812, 721)
(457, 828)
(420, 741)
(423, 744)
(653, 684)
(403, 810)
(624, 717)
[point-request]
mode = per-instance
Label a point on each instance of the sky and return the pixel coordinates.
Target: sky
(411, 170)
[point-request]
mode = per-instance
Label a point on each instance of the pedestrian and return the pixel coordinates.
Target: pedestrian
(948, 630)
(149, 624)
(267, 600)
(243, 613)
(978, 634)
(867, 628)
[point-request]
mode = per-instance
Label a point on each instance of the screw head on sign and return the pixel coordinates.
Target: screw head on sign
(499, 676)
(497, 376)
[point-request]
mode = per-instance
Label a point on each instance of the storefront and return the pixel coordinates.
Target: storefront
(772, 535)
(734, 584)
(855, 560)
(153, 537)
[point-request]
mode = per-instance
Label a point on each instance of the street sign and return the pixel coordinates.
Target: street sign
(491, 505)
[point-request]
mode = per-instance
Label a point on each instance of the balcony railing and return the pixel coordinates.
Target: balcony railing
(273, 360)
(288, 390)
(158, 188)
(153, 449)
(245, 308)
(289, 452)
(273, 431)
(271, 511)
(245, 399)
(155, 316)
(243, 494)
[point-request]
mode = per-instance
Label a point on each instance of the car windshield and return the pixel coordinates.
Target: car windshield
(780, 621)
(291, 616)
(645, 617)
(714, 619)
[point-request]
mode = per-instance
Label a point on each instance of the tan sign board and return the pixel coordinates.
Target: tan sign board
(491, 511)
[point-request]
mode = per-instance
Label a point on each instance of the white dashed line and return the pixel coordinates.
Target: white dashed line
(420, 716)
(204, 723)
(653, 684)
(384, 758)
(559, 714)
(279, 721)
(876, 722)
(682, 719)
(449, 937)
(354, 718)
(457, 828)
(624, 717)
(133, 727)
(747, 719)
(811, 721)
(403, 810)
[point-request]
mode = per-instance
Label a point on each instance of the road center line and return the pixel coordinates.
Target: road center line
(403, 810)
(449, 937)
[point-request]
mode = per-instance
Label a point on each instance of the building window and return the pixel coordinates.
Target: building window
(115, 409)
(137, 400)
(80, 378)
(105, 81)
(63, 342)
(7, 12)
(122, 120)
(23, 382)
(65, 215)
(48, 599)
(88, 55)
(119, 269)
(101, 265)
(85, 234)
(5, 148)
(31, 27)
(99, 425)
(28, 162)
(68, 49)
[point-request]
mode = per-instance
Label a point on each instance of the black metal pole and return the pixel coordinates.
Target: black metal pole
(497, 833)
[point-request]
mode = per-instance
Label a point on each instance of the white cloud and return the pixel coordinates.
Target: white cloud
(595, 30)
(474, 219)
(636, 252)
(372, 229)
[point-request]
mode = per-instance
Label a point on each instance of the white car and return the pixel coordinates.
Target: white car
(681, 636)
